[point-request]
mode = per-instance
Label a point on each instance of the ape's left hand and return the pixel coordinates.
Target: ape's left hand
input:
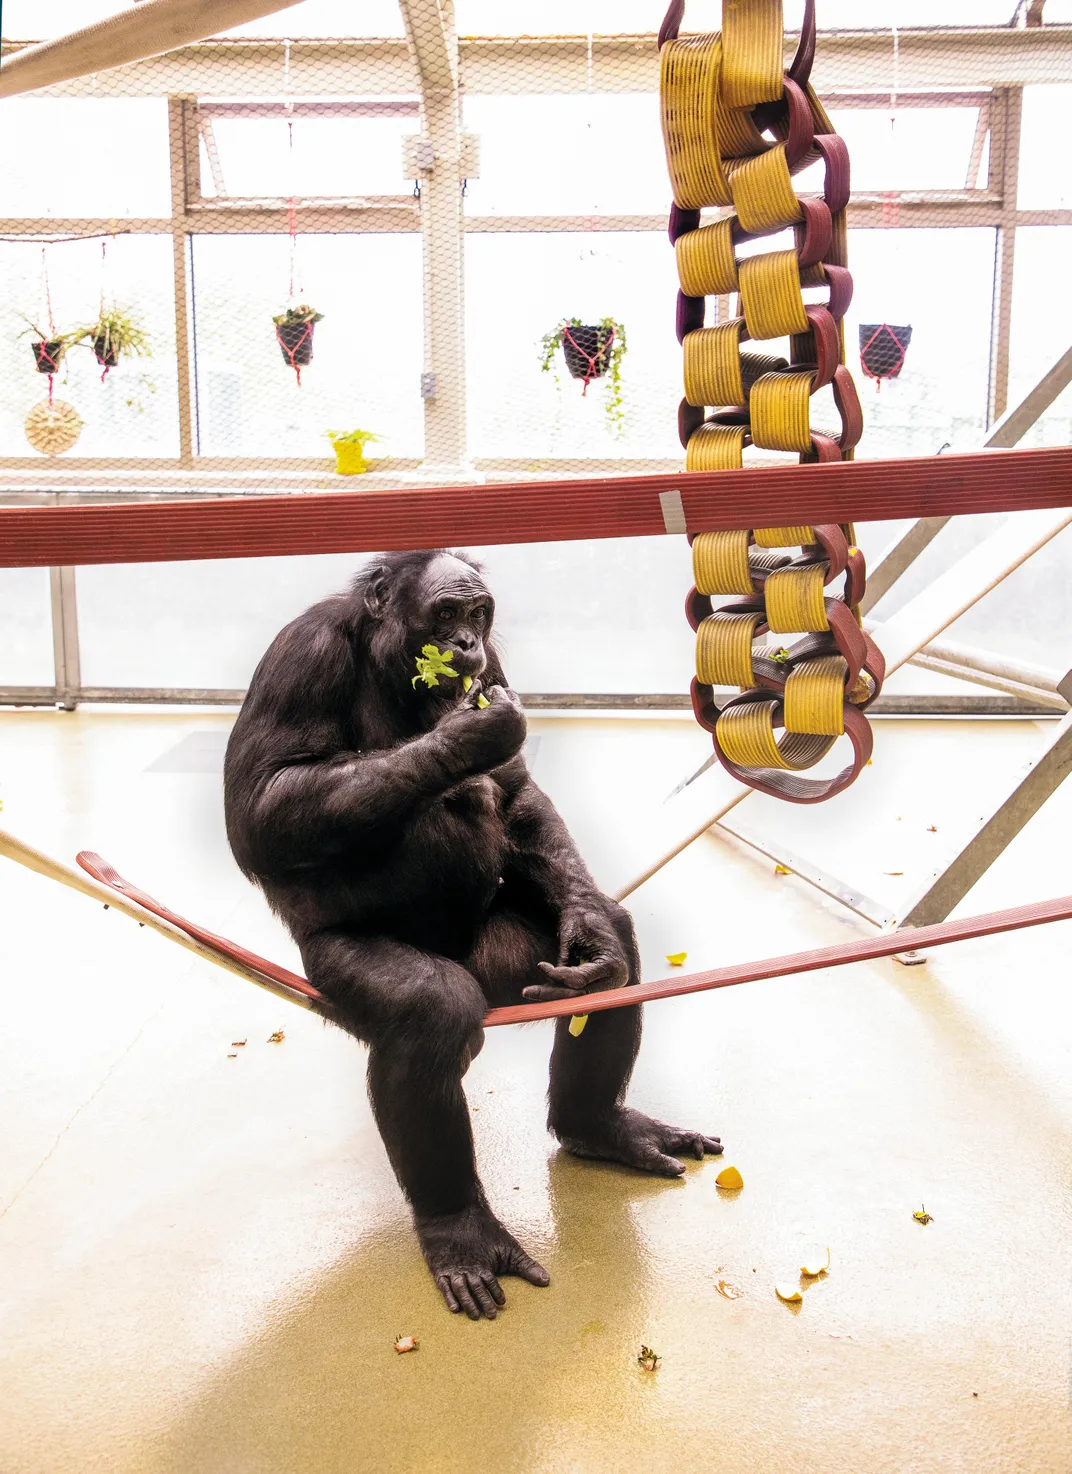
(591, 955)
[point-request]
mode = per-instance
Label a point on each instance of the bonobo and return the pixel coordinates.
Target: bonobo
(424, 876)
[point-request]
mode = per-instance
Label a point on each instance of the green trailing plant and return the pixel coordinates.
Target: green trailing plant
(611, 331)
(42, 335)
(115, 334)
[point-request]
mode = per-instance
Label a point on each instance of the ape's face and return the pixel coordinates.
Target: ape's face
(453, 610)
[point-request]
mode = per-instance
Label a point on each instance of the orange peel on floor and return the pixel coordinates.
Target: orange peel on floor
(676, 959)
(789, 1293)
(729, 1177)
(816, 1264)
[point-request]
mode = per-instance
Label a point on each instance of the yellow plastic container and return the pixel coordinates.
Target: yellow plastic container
(350, 458)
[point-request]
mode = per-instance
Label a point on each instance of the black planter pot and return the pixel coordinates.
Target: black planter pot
(47, 354)
(587, 351)
(882, 349)
(296, 342)
(106, 351)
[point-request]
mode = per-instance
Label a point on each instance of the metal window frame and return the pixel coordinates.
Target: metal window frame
(991, 64)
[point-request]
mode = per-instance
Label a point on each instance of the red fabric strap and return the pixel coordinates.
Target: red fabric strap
(535, 511)
(867, 949)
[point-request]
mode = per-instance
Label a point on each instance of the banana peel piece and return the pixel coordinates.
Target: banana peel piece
(729, 1177)
(676, 959)
(577, 1023)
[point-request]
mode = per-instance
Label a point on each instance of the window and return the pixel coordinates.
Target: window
(1041, 325)
(568, 154)
(367, 351)
(319, 157)
(132, 411)
(1045, 168)
(85, 157)
(522, 286)
(25, 617)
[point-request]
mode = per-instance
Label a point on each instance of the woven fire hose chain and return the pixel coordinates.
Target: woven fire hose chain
(736, 130)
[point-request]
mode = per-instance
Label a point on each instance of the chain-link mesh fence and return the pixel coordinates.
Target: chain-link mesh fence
(436, 251)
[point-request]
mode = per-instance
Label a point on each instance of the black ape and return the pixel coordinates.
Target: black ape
(424, 875)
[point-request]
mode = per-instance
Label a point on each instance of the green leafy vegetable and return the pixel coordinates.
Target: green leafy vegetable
(433, 663)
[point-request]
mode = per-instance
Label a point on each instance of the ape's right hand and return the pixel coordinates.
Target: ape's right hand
(482, 739)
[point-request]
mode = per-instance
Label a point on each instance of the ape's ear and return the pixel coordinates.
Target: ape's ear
(376, 592)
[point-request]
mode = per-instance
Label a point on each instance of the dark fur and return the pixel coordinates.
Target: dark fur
(423, 874)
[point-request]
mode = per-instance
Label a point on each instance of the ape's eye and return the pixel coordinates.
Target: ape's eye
(481, 614)
(446, 614)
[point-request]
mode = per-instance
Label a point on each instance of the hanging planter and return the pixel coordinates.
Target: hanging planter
(47, 354)
(294, 334)
(591, 351)
(48, 346)
(349, 446)
(116, 334)
(882, 350)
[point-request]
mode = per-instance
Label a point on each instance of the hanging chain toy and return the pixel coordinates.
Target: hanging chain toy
(736, 130)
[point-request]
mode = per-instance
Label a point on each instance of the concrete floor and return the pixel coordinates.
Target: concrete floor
(204, 1260)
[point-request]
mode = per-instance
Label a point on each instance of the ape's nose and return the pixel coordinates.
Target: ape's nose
(465, 641)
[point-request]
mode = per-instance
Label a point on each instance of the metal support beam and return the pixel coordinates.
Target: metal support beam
(434, 43)
(982, 128)
(1006, 111)
(65, 648)
(185, 165)
(947, 887)
(1032, 683)
(898, 558)
(147, 30)
(930, 59)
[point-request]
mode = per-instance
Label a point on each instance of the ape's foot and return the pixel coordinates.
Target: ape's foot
(465, 1251)
(638, 1141)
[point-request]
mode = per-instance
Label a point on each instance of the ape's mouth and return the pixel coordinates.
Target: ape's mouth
(451, 672)
(469, 673)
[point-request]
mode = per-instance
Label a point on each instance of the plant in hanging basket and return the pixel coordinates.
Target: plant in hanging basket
(47, 354)
(592, 351)
(349, 448)
(48, 347)
(115, 334)
(294, 334)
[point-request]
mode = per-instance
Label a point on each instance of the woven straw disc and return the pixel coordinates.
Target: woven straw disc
(53, 428)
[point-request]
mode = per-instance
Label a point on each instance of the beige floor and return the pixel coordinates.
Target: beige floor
(204, 1260)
